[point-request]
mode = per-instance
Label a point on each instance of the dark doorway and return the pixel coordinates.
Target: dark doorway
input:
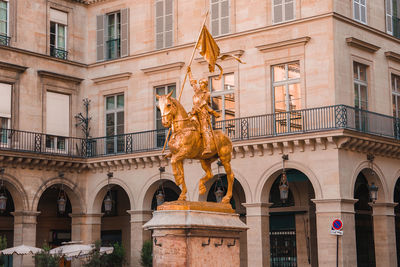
(397, 219)
(364, 224)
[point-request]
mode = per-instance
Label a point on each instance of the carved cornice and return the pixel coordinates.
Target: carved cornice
(393, 56)
(112, 78)
(357, 43)
(12, 67)
(57, 76)
(283, 44)
(163, 68)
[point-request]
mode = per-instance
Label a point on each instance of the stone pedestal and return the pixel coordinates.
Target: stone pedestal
(195, 238)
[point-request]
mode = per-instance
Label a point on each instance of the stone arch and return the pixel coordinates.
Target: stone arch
(393, 182)
(95, 200)
(238, 176)
(269, 176)
(74, 194)
(378, 179)
(17, 191)
(147, 191)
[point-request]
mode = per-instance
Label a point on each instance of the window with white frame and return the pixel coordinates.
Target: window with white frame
(223, 96)
(396, 95)
(115, 123)
(161, 132)
(360, 86)
(58, 33)
(360, 10)
(392, 17)
(4, 22)
(112, 35)
(5, 112)
(57, 121)
(286, 96)
(283, 10)
(164, 23)
(220, 17)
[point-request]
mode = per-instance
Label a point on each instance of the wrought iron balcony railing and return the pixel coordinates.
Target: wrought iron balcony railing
(58, 53)
(254, 127)
(5, 40)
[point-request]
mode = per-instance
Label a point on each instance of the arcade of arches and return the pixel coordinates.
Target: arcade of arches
(291, 231)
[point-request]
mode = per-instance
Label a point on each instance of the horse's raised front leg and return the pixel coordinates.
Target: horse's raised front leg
(206, 165)
(230, 177)
(177, 168)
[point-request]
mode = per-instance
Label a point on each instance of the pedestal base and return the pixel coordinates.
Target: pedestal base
(195, 238)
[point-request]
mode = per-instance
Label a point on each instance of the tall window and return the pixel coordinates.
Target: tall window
(283, 10)
(115, 124)
(113, 35)
(161, 133)
(286, 96)
(360, 10)
(392, 17)
(164, 23)
(57, 121)
(360, 95)
(223, 96)
(58, 33)
(4, 22)
(219, 17)
(5, 112)
(396, 95)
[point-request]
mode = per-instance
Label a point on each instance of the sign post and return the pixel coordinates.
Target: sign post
(337, 229)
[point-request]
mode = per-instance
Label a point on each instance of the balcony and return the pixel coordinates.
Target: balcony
(58, 53)
(5, 40)
(240, 129)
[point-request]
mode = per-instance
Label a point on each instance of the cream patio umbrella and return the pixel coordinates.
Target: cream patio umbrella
(21, 250)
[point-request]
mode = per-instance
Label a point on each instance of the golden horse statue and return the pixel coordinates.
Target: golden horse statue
(186, 143)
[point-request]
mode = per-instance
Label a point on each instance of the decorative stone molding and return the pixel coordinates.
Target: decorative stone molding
(163, 68)
(283, 44)
(357, 43)
(392, 56)
(12, 67)
(112, 78)
(57, 76)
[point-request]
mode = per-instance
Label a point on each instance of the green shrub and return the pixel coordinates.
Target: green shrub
(3, 245)
(45, 259)
(146, 255)
(115, 259)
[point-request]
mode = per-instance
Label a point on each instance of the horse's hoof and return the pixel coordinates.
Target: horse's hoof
(202, 189)
(226, 200)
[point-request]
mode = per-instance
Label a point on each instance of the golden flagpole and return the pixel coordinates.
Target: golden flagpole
(184, 80)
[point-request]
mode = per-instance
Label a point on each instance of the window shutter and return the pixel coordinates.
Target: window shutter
(159, 24)
(100, 26)
(57, 114)
(58, 16)
(124, 32)
(5, 100)
(215, 18)
(169, 20)
(225, 17)
(289, 10)
(278, 11)
(389, 21)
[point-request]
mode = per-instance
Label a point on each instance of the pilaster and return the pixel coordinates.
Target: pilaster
(138, 234)
(86, 227)
(258, 246)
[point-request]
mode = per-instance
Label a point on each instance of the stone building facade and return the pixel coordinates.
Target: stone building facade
(321, 84)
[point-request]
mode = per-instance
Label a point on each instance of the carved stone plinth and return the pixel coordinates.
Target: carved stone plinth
(195, 238)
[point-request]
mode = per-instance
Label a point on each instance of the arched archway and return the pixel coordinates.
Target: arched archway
(364, 220)
(396, 199)
(170, 190)
(115, 224)
(7, 222)
(292, 222)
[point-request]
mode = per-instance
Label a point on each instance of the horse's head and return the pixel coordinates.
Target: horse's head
(168, 109)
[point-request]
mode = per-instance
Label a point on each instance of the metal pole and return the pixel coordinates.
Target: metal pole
(337, 250)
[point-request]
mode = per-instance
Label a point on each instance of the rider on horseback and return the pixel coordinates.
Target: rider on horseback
(202, 110)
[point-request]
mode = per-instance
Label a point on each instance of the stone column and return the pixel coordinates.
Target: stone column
(327, 210)
(86, 227)
(24, 234)
(258, 247)
(138, 234)
(384, 234)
